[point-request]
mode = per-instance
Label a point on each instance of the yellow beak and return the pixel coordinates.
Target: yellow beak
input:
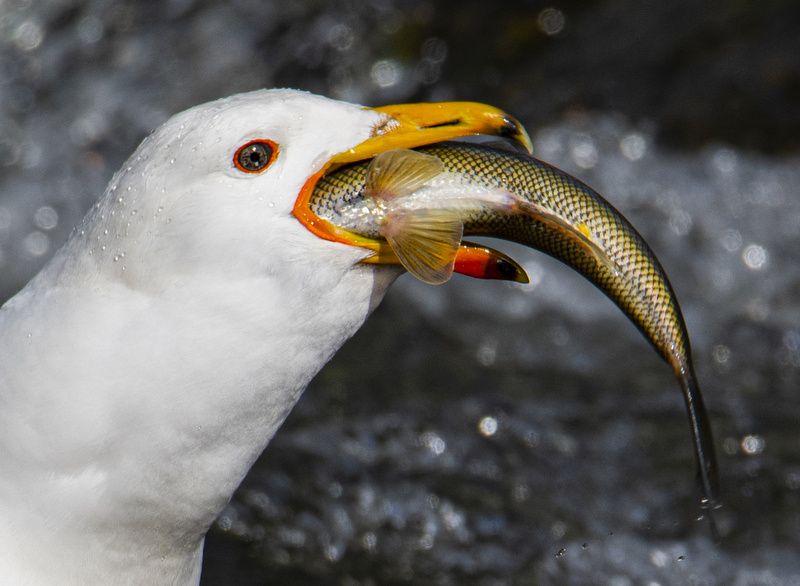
(412, 125)
(409, 126)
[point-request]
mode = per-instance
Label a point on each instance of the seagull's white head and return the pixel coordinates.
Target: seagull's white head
(209, 195)
(147, 366)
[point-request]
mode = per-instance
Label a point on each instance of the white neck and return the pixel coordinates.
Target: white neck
(128, 428)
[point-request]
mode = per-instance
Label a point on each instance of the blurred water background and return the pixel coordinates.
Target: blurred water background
(480, 432)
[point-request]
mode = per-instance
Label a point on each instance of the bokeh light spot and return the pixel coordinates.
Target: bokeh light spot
(551, 21)
(755, 257)
(584, 154)
(487, 426)
(753, 444)
(28, 35)
(36, 243)
(45, 218)
(385, 73)
(633, 146)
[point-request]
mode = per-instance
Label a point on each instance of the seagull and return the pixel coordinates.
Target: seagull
(147, 366)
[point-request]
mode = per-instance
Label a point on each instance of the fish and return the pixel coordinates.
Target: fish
(423, 202)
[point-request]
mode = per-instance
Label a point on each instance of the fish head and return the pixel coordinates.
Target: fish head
(408, 126)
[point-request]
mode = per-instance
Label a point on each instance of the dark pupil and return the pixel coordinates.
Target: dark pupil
(255, 157)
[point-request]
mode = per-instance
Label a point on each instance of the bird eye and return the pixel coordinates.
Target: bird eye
(255, 156)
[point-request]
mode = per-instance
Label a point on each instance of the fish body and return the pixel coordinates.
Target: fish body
(424, 201)
(514, 197)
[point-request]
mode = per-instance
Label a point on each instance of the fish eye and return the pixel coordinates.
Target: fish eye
(255, 156)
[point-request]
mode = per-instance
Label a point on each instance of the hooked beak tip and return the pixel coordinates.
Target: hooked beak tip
(512, 129)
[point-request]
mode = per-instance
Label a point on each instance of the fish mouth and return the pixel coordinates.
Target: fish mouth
(408, 126)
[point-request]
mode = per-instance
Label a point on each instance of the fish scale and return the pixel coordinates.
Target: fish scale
(564, 218)
(641, 290)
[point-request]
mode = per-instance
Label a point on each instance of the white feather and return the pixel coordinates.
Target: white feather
(148, 365)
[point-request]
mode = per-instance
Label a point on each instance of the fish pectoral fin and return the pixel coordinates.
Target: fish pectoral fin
(426, 241)
(581, 233)
(399, 172)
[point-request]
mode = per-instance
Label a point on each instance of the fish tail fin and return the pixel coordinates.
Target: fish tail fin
(426, 241)
(399, 172)
(703, 439)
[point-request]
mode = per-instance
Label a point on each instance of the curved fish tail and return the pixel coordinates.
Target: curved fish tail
(703, 439)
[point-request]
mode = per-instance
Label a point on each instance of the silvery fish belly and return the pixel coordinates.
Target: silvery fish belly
(423, 202)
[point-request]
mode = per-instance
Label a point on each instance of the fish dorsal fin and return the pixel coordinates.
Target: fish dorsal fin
(399, 172)
(426, 241)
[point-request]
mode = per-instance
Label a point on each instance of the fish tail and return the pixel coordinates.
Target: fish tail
(703, 439)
